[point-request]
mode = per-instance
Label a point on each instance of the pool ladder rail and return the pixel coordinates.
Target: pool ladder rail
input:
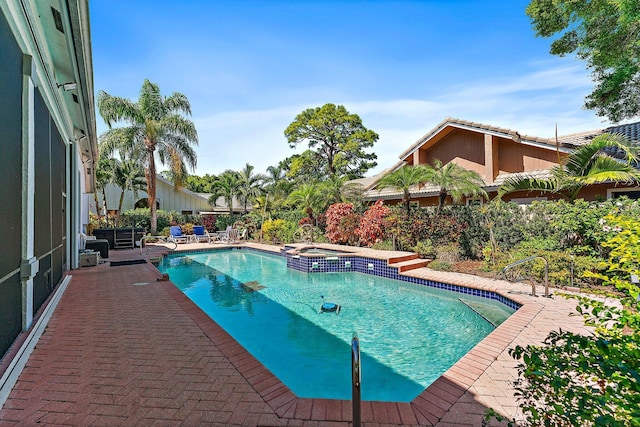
(533, 285)
(356, 380)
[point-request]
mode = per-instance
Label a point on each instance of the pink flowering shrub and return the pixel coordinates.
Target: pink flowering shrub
(372, 224)
(342, 223)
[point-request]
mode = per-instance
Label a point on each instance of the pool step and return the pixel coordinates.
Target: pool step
(411, 264)
(403, 258)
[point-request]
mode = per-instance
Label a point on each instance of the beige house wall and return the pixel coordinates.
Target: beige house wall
(168, 198)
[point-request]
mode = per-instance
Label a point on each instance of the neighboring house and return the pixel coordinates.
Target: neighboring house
(496, 154)
(48, 146)
(168, 198)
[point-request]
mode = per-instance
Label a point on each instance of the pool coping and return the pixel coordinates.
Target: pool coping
(427, 408)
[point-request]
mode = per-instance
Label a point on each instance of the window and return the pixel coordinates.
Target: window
(475, 201)
(632, 193)
(187, 212)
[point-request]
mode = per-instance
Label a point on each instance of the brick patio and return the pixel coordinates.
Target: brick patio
(124, 347)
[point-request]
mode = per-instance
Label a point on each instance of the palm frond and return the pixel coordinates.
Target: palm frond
(605, 145)
(177, 102)
(607, 169)
(524, 183)
(150, 101)
(114, 109)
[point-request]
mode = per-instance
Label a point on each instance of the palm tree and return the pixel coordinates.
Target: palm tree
(403, 179)
(249, 185)
(454, 181)
(338, 189)
(592, 163)
(156, 126)
(277, 186)
(309, 198)
(226, 185)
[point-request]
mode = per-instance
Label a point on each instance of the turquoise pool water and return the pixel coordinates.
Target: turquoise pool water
(409, 334)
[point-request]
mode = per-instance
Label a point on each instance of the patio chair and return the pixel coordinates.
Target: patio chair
(232, 236)
(200, 234)
(176, 236)
(222, 236)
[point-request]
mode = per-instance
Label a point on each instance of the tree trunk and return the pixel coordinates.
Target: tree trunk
(95, 197)
(106, 208)
(441, 200)
(150, 173)
(119, 209)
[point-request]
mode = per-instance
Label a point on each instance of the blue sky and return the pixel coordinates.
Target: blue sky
(249, 67)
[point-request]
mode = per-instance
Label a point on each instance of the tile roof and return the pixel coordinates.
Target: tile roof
(369, 182)
(630, 130)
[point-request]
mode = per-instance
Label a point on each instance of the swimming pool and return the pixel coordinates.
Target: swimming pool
(409, 334)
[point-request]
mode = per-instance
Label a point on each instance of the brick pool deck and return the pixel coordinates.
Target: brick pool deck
(123, 347)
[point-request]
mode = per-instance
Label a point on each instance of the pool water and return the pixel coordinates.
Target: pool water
(409, 334)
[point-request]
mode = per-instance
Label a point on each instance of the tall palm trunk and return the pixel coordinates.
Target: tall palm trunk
(98, 211)
(442, 197)
(407, 202)
(150, 174)
(106, 208)
(119, 208)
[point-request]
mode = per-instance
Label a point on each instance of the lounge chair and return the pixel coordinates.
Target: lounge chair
(200, 234)
(176, 236)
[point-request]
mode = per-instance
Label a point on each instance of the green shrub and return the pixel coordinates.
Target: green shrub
(383, 245)
(278, 231)
(589, 379)
(224, 221)
(540, 243)
(422, 224)
(475, 233)
(564, 269)
(440, 265)
(425, 249)
(141, 217)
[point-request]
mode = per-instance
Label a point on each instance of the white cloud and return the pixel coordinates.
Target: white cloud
(531, 103)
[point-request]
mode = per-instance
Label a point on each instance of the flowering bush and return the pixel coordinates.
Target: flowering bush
(372, 224)
(342, 223)
(209, 222)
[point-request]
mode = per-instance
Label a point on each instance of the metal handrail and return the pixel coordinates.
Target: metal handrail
(356, 377)
(162, 238)
(533, 285)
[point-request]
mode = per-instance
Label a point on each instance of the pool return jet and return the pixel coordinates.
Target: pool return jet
(328, 307)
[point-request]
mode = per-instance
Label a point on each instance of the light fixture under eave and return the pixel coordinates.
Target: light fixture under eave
(68, 86)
